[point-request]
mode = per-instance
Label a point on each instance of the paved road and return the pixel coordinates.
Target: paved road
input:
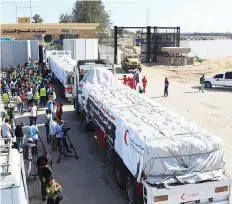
(90, 179)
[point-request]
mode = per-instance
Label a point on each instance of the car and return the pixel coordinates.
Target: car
(222, 80)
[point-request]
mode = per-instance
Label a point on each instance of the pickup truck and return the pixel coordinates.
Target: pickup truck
(224, 80)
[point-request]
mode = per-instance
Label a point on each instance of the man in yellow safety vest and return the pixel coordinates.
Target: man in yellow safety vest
(36, 98)
(5, 99)
(43, 96)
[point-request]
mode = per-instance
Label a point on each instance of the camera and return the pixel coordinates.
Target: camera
(34, 150)
(64, 128)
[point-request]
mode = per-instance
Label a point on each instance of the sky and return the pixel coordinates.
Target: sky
(190, 15)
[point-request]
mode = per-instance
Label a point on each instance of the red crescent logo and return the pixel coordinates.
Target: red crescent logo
(125, 138)
(182, 197)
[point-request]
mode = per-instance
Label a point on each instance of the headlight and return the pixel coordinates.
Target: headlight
(160, 198)
(221, 189)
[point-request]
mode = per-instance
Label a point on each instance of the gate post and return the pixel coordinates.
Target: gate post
(115, 44)
(148, 43)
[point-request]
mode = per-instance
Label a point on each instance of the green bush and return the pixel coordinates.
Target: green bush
(198, 59)
(60, 47)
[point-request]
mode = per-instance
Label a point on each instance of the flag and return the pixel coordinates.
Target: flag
(36, 61)
(30, 62)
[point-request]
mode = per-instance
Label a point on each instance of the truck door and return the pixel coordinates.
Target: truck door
(228, 79)
(218, 80)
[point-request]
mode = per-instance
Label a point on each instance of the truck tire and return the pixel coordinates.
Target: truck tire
(120, 173)
(131, 192)
(126, 69)
(208, 84)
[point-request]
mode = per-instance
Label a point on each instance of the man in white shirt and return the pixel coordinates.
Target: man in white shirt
(6, 130)
(33, 113)
(52, 126)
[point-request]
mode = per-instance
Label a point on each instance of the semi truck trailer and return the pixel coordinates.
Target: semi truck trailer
(158, 156)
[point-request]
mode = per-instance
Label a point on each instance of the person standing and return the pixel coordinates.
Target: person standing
(27, 155)
(60, 138)
(144, 81)
(59, 110)
(53, 94)
(166, 85)
(5, 99)
(19, 135)
(48, 117)
(52, 126)
(19, 103)
(33, 112)
(33, 132)
(202, 83)
(53, 190)
(29, 96)
(50, 105)
(43, 172)
(36, 98)
(43, 96)
(22, 95)
(6, 131)
(12, 87)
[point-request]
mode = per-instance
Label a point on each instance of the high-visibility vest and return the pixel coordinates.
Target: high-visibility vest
(42, 92)
(5, 98)
(36, 96)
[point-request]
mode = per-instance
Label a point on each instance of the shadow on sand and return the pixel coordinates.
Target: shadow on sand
(215, 89)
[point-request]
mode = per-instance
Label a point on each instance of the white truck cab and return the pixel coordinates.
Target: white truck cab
(223, 80)
(13, 179)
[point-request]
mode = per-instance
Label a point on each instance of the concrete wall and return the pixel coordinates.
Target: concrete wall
(82, 49)
(208, 49)
(17, 52)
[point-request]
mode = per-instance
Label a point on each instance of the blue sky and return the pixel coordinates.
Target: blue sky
(190, 15)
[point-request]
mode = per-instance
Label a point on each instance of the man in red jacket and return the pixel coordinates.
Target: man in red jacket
(59, 110)
(144, 81)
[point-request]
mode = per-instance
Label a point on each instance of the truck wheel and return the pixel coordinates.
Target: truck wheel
(120, 174)
(131, 192)
(208, 84)
(126, 69)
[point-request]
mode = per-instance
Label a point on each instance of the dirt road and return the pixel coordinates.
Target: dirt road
(211, 109)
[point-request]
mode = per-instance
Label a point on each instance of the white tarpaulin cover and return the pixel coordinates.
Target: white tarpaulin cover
(152, 140)
(62, 66)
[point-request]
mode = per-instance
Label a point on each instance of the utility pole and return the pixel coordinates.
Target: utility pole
(148, 16)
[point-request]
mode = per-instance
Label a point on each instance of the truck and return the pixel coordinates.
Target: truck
(130, 61)
(158, 157)
(13, 179)
(222, 80)
(84, 66)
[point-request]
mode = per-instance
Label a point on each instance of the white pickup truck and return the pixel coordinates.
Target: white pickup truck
(224, 79)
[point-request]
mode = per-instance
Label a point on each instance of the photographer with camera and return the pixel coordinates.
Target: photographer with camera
(44, 172)
(60, 136)
(33, 131)
(28, 155)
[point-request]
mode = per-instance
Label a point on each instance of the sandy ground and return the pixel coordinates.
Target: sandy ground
(211, 109)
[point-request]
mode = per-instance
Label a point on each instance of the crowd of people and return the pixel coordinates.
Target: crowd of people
(31, 89)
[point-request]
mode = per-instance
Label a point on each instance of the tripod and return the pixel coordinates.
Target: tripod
(63, 154)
